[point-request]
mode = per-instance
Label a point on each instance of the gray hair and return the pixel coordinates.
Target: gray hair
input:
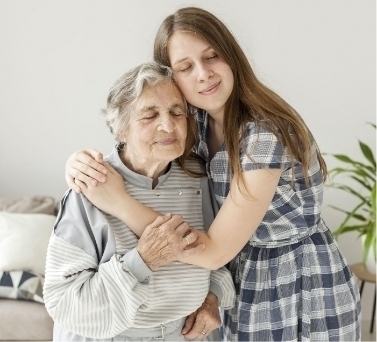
(127, 89)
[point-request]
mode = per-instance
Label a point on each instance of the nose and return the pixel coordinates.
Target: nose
(204, 72)
(166, 124)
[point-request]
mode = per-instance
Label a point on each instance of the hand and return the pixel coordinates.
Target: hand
(86, 166)
(201, 322)
(106, 196)
(166, 240)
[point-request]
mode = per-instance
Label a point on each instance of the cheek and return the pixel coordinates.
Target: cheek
(182, 129)
(184, 86)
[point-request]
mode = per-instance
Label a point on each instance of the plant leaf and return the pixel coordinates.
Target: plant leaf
(346, 229)
(344, 158)
(362, 182)
(370, 241)
(367, 153)
(351, 191)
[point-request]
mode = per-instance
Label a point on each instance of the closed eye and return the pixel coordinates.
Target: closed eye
(149, 116)
(211, 57)
(177, 113)
(186, 69)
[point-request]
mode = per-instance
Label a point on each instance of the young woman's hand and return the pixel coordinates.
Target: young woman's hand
(87, 166)
(109, 196)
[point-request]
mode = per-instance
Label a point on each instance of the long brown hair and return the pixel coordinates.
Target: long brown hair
(250, 100)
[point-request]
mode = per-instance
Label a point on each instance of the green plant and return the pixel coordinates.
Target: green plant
(362, 218)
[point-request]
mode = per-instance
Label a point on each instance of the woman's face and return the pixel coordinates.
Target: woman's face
(158, 126)
(204, 78)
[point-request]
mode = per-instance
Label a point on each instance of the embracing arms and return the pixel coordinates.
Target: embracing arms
(236, 222)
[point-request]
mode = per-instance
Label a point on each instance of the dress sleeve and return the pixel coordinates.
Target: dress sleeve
(261, 149)
(83, 292)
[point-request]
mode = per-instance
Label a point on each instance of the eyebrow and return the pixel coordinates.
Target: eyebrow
(181, 60)
(152, 108)
(149, 108)
(177, 105)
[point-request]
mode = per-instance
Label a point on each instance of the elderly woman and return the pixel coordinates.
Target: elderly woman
(102, 281)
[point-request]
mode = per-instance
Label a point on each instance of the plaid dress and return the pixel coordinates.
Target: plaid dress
(292, 283)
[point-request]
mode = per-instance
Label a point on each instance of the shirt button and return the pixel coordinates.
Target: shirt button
(180, 193)
(158, 194)
(198, 192)
(146, 278)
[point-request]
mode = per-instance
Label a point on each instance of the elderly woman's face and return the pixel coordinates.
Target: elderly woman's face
(158, 125)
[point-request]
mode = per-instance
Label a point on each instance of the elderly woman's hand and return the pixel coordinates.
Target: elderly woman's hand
(86, 166)
(167, 239)
(106, 196)
(200, 323)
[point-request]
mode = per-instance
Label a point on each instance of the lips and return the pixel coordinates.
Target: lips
(167, 141)
(211, 89)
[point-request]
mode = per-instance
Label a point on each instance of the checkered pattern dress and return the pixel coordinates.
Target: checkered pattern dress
(291, 280)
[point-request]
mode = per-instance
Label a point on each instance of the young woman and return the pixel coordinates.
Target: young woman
(291, 280)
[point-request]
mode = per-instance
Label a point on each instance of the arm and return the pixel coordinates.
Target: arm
(238, 218)
(221, 242)
(237, 211)
(88, 290)
(83, 296)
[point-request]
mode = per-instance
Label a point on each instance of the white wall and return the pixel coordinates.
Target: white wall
(59, 58)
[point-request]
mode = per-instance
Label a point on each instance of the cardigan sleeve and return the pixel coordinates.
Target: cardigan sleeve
(88, 289)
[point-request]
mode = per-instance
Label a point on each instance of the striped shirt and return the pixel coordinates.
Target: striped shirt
(98, 286)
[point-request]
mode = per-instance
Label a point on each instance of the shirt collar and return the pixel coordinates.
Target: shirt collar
(132, 177)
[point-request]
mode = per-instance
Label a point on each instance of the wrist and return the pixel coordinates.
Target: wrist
(211, 299)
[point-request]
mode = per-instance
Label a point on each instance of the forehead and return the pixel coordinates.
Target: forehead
(162, 95)
(182, 42)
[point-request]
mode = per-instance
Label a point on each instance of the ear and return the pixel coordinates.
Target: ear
(122, 137)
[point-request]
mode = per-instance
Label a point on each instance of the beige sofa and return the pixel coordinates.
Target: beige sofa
(23, 316)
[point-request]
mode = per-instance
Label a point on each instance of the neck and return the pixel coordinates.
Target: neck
(215, 136)
(151, 169)
(216, 118)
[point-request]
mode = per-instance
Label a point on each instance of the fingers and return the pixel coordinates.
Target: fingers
(203, 325)
(207, 319)
(175, 224)
(81, 186)
(98, 156)
(71, 183)
(189, 323)
(87, 166)
(111, 169)
(192, 235)
(159, 221)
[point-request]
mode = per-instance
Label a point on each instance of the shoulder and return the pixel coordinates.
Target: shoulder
(195, 163)
(260, 147)
(73, 223)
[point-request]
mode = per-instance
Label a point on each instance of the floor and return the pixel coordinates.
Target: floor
(365, 334)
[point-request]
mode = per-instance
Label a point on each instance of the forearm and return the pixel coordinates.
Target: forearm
(134, 214)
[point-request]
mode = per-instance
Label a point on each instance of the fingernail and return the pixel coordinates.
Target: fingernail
(103, 178)
(104, 171)
(168, 214)
(77, 190)
(93, 182)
